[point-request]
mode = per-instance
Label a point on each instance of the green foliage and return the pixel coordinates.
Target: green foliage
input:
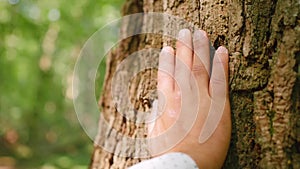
(39, 44)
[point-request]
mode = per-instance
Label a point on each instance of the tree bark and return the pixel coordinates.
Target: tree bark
(263, 38)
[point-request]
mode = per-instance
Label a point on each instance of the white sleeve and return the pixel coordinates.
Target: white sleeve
(168, 161)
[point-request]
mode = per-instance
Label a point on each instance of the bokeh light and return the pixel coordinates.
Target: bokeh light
(39, 44)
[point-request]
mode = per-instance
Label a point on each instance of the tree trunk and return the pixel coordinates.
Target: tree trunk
(263, 38)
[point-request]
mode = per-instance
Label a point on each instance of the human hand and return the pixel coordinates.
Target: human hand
(191, 102)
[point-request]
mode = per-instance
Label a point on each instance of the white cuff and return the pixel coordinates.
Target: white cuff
(168, 161)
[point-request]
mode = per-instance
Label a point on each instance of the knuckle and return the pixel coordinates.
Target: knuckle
(219, 62)
(218, 81)
(199, 69)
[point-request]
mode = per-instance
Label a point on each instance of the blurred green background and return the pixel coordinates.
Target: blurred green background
(39, 44)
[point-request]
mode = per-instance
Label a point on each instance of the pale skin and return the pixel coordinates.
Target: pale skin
(193, 78)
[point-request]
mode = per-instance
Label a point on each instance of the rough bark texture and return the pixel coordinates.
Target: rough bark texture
(263, 38)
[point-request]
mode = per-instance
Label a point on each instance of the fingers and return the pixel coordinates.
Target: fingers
(201, 60)
(165, 77)
(184, 59)
(218, 90)
(219, 79)
(166, 68)
(166, 84)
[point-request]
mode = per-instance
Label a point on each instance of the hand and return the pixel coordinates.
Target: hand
(191, 102)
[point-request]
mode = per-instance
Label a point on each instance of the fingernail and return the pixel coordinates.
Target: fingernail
(199, 34)
(222, 49)
(183, 33)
